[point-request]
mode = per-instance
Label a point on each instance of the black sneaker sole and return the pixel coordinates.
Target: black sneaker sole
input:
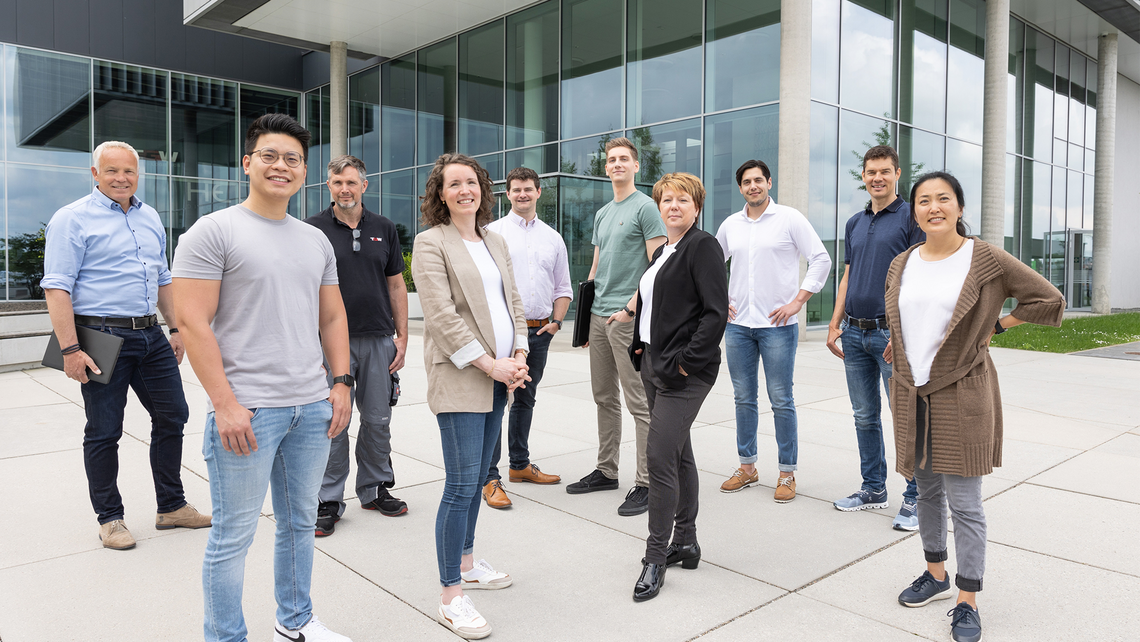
(579, 489)
(636, 510)
(395, 513)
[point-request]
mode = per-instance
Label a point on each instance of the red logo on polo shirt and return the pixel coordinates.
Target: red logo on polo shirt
(375, 238)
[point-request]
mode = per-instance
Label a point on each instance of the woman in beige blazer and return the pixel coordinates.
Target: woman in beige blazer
(475, 345)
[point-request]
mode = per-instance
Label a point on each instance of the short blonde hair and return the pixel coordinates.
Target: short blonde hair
(680, 182)
(97, 155)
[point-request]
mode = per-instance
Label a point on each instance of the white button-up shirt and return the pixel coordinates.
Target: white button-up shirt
(765, 268)
(542, 270)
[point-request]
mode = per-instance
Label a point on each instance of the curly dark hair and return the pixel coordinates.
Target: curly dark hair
(432, 208)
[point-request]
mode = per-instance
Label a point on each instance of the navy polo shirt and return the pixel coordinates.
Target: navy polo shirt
(872, 241)
(364, 274)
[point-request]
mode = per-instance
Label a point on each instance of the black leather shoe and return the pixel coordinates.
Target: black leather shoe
(595, 481)
(650, 583)
(689, 555)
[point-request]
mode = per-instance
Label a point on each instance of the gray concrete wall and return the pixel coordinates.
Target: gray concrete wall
(1126, 198)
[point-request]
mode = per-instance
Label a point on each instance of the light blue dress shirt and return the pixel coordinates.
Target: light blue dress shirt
(112, 262)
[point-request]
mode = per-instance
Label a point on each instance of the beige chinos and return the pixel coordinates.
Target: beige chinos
(609, 366)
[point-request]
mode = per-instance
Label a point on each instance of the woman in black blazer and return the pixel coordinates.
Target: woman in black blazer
(682, 309)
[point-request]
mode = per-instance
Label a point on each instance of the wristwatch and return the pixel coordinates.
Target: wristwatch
(556, 321)
(347, 380)
(998, 328)
(625, 308)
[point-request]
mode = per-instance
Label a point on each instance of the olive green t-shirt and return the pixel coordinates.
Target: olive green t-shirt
(620, 231)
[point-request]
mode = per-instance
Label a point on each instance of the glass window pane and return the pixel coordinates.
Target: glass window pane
(966, 70)
(1075, 217)
(825, 50)
(1057, 233)
(743, 31)
(1036, 191)
(585, 156)
(543, 159)
(661, 149)
(47, 116)
(1038, 95)
(399, 201)
(203, 127)
(857, 134)
(371, 198)
(191, 199)
(1061, 101)
(130, 105)
(579, 200)
(730, 139)
(317, 199)
(1076, 158)
(1090, 105)
(481, 89)
(1089, 201)
(1077, 101)
(591, 66)
(316, 169)
(435, 124)
(922, 66)
(34, 194)
(364, 117)
(258, 101)
(532, 75)
(919, 152)
(1015, 123)
(1012, 183)
(398, 117)
(493, 163)
(663, 55)
(964, 161)
(868, 62)
(822, 172)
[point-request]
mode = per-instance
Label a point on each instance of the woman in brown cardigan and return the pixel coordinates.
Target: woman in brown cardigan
(944, 303)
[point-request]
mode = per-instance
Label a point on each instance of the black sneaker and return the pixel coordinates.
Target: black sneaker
(594, 481)
(386, 504)
(925, 590)
(636, 502)
(328, 514)
(966, 625)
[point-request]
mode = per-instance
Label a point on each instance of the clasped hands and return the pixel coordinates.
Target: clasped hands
(511, 371)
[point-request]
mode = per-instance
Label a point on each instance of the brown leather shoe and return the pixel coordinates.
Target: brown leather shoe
(786, 489)
(532, 474)
(495, 496)
(739, 481)
(116, 536)
(185, 517)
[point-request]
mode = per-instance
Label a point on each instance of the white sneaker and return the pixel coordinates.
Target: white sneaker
(482, 576)
(313, 631)
(461, 617)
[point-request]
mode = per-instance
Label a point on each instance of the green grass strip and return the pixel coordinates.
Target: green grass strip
(1083, 333)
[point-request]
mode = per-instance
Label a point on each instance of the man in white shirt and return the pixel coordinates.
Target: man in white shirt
(764, 242)
(542, 275)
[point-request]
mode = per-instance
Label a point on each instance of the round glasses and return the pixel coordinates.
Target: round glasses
(269, 156)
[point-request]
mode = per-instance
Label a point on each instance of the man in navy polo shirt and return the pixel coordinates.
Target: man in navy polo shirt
(874, 237)
(370, 265)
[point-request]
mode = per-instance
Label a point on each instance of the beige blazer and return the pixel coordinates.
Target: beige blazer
(456, 314)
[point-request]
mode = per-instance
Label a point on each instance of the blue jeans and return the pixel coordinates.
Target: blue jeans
(292, 449)
(468, 439)
(522, 408)
(863, 361)
(147, 365)
(777, 347)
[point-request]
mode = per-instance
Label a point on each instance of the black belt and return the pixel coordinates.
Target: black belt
(868, 324)
(134, 323)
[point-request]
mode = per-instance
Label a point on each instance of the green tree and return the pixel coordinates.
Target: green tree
(26, 261)
(598, 160)
(883, 137)
(649, 155)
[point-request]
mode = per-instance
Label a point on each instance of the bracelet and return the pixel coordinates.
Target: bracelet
(173, 330)
(71, 349)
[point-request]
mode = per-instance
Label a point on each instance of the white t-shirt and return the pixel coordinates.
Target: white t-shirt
(496, 299)
(928, 293)
(645, 314)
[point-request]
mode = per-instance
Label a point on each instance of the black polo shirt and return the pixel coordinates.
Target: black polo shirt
(364, 274)
(872, 241)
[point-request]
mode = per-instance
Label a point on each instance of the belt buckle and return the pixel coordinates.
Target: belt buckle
(135, 323)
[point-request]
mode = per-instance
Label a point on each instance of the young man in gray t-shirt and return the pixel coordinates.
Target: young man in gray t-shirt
(256, 294)
(627, 231)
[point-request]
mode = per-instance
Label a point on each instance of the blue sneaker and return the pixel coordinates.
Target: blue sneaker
(966, 625)
(925, 590)
(862, 500)
(907, 519)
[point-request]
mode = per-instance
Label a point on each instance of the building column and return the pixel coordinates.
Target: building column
(1102, 178)
(338, 99)
(994, 122)
(795, 113)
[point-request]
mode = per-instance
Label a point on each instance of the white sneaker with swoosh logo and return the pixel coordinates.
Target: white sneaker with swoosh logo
(313, 631)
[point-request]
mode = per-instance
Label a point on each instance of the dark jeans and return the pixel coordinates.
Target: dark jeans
(522, 408)
(146, 364)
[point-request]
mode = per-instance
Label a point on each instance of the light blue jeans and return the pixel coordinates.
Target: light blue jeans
(292, 449)
(777, 348)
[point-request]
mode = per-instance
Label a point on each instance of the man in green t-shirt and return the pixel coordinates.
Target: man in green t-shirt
(627, 231)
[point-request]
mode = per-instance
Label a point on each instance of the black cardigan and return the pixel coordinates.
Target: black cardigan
(690, 311)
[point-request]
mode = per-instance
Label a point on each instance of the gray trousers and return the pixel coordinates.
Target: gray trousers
(370, 356)
(964, 496)
(609, 365)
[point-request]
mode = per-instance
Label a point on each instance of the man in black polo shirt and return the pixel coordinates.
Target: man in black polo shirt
(371, 269)
(874, 237)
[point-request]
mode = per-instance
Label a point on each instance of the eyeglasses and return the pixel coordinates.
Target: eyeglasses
(269, 156)
(356, 240)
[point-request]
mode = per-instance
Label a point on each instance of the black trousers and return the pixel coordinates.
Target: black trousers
(673, 484)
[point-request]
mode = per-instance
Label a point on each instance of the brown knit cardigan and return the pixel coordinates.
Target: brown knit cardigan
(962, 397)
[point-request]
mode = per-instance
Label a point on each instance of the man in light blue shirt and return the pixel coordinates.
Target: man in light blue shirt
(105, 268)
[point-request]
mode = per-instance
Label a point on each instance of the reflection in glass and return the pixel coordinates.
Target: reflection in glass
(481, 89)
(737, 32)
(1090, 106)
(1074, 216)
(203, 127)
(1012, 204)
(922, 66)
(399, 201)
(47, 108)
(191, 199)
(130, 105)
(1089, 202)
(316, 170)
(543, 159)
(585, 156)
(532, 75)
(258, 101)
(493, 163)
(591, 66)
(1077, 71)
(34, 194)
(1035, 214)
(964, 161)
(364, 117)
(867, 62)
(825, 50)
(1015, 96)
(822, 172)
(1057, 233)
(966, 69)
(919, 152)
(661, 149)
(398, 117)
(579, 200)
(371, 198)
(663, 52)
(317, 199)
(731, 139)
(1038, 95)
(1076, 158)
(857, 134)
(435, 124)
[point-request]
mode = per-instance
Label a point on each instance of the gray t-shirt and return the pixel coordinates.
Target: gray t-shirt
(621, 230)
(267, 322)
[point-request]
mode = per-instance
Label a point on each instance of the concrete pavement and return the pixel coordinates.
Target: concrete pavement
(1063, 514)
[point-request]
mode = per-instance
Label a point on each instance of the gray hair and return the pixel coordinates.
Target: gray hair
(97, 155)
(341, 163)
